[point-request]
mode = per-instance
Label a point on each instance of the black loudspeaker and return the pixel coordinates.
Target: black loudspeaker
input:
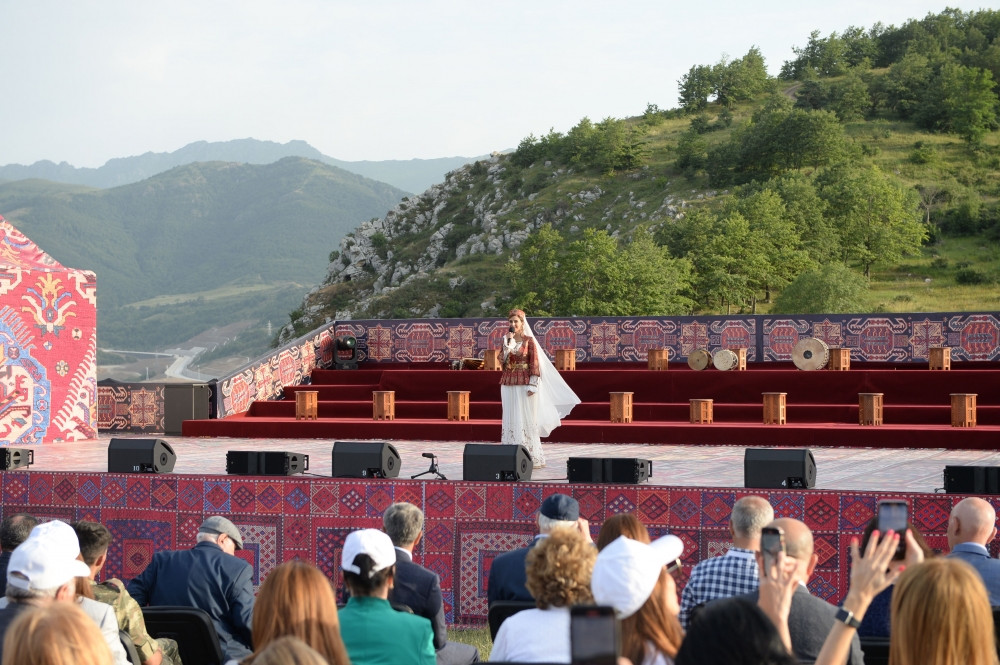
(140, 456)
(972, 479)
(486, 461)
(265, 463)
(623, 470)
(779, 468)
(16, 458)
(365, 459)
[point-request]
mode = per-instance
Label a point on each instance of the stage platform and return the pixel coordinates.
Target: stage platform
(308, 516)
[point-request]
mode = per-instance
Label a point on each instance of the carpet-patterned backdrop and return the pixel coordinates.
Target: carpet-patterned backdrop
(467, 523)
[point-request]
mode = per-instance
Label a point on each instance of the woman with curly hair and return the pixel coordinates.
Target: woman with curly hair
(559, 569)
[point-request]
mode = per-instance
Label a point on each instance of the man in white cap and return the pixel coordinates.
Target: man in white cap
(208, 576)
(42, 570)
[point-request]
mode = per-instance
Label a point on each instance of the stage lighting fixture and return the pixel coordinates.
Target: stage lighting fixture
(16, 458)
(345, 352)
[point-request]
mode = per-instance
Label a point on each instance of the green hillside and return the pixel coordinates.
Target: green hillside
(865, 178)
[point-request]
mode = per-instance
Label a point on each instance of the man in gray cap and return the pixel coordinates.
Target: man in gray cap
(208, 576)
(508, 574)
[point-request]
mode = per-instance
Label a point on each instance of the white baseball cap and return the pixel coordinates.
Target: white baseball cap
(47, 559)
(376, 544)
(626, 571)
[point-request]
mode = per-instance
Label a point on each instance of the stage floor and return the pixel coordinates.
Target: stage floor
(855, 469)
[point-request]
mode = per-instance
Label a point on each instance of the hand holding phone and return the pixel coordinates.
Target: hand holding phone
(894, 515)
(594, 635)
(772, 541)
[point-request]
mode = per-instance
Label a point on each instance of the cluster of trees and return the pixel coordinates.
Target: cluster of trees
(610, 146)
(726, 82)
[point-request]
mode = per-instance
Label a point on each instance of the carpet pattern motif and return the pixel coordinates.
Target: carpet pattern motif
(467, 523)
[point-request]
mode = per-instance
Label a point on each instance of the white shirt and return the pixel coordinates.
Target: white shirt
(534, 636)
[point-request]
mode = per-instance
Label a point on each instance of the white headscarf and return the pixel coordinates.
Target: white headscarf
(556, 398)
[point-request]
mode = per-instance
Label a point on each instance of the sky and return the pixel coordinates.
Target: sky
(85, 81)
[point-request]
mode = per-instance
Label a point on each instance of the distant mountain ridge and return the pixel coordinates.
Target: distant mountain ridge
(410, 176)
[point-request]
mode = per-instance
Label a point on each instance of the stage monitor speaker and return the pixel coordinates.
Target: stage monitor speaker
(972, 479)
(487, 461)
(621, 470)
(140, 456)
(16, 458)
(365, 459)
(265, 463)
(779, 468)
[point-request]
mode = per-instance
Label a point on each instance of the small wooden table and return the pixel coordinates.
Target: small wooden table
(741, 359)
(658, 359)
(774, 408)
(701, 411)
(940, 358)
(840, 360)
(566, 360)
(870, 408)
(963, 409)
(383, 405)
(621, 407)
(458, 405)
(491, 359)
(306, 404)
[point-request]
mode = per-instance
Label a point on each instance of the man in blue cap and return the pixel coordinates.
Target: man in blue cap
(507, 574)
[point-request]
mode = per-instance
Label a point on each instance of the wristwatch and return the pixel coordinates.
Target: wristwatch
(847, 618)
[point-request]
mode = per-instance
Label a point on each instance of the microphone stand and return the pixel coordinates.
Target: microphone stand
(434, 470)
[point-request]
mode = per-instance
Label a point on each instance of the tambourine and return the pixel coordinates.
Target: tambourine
(699, 359)
(811, 353)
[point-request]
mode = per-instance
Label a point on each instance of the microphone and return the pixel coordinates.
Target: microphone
(428, 455)
(511, 330)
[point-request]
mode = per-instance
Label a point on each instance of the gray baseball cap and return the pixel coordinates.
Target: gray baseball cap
(219, 524)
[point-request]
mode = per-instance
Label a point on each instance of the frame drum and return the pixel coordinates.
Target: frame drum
(725, 359)
(699, 359)
(811, 353)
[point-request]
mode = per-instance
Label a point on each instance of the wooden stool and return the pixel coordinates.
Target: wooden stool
(741, 359)
(621, 407)
(458, 405)
(701, 411)
(306, 404)
(383, 405)
(566, 360)
(870, 408)
(491, 359)
(840, 360)
(774, 408)
(940, 358)
(658, 359)
(963, 409)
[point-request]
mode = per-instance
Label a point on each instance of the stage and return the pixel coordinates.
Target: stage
(690, 494)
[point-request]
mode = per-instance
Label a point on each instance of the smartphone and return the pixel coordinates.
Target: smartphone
(894, 515)
(594, 635)
(772, 541)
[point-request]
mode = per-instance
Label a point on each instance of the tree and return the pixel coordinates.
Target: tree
(959, 100)
(832, 288)
(850, 97)
(695, 87)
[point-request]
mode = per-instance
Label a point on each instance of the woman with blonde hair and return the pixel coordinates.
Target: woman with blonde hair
(58, 633)
(297, 600)
(289, 650)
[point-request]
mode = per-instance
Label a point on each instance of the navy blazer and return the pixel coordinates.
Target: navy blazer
(207, 577)
(508, 575)
(988, 568)
(420, 589)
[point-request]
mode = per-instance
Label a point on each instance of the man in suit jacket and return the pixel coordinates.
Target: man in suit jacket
(971, 527)
(810, 618)
(419, 588)
(14, 530)
(208, 576)
(508, 573)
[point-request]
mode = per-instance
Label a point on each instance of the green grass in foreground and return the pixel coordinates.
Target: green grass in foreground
(477, 637)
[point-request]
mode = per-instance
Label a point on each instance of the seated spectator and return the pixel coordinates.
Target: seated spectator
(637, 580)
(971, 528)
(558, 577)
(373, 632)
(876, 620)
(94, 542)
(733, 631)
(622, 524)
(54, 634)
(289, 650)
(14, 530)
(419, 588)
(208, 576)
(297, 600)
(507, 572)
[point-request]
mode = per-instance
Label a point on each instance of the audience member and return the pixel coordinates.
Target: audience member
(289, 650)
(419, 588)
(507, 572)
(297, 600)
(374, 633)
(622, 524)
(41, 571)
(876, 622)
(54, 634)
(637, 580)
(14, 530)
(94, 542)
(735, 572)
(733, 631)
(559, 568)
(208, 576)
(971, 527)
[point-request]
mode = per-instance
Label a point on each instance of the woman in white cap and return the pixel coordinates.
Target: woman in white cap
(637, 580)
